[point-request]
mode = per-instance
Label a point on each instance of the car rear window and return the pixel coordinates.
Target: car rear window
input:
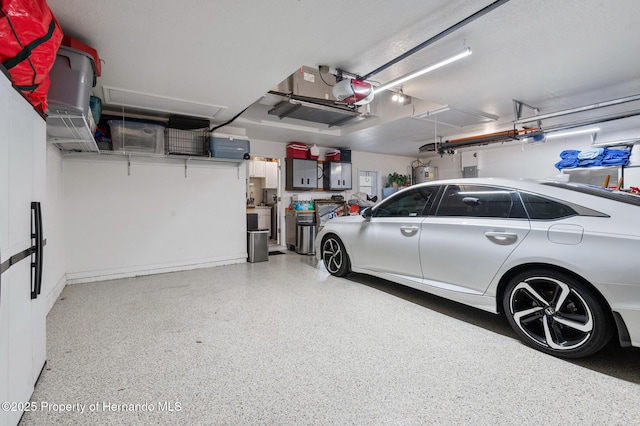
(598, 191)
(544, 208)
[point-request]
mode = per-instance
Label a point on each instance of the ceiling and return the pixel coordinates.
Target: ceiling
(215, 58)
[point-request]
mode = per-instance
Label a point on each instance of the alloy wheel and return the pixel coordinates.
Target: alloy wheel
(551, 313)
(334, 257)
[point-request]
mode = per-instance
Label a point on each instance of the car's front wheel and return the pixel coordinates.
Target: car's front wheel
(335, 257)
(557, 314)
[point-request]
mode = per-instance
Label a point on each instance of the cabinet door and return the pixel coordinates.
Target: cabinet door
(300, 177)
(346, 175)
(260, 168)
(22, 180)
(335, 176)
(271, 178)
(264, 219)
(312, 174)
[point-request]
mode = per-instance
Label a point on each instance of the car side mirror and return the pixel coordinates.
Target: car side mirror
(367, 213)
(471, 201)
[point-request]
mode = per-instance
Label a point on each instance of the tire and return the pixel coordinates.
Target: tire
(557, 314)
(335, 257)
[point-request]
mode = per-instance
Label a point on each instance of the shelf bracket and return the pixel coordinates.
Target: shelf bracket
(517, 110)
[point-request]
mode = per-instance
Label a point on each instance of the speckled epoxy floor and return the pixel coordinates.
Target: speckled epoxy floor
(283, 343)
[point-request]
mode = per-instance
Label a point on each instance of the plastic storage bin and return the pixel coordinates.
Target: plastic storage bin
(72, 77)
(95, 103)
(297, 150)
(134, 136)
(78, 45)
(229, 147)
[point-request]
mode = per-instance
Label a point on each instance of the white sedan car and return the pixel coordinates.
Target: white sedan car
(560, 260)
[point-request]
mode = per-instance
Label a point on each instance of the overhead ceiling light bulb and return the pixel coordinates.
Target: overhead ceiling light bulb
(573, 132)
(394, 98)
(421, 71)
(400, 98)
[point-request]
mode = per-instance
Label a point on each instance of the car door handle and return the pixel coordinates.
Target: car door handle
(409, 229)
(502, 238)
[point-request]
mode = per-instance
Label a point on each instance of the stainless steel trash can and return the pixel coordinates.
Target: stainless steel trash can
(306, 238)
(258, 245)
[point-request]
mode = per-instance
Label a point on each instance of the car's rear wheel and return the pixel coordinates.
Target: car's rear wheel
(335, 257)
(557, 314)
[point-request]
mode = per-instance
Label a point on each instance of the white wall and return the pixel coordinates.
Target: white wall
(53, 223)
(517, 159)
(155, 220)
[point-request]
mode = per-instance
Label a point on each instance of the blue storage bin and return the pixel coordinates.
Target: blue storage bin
(229, 147)
(95, 104)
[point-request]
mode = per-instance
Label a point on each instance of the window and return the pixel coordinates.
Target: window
(598, 192)
(368, 182)
(481, 201)
(409, 203)
(544, 208)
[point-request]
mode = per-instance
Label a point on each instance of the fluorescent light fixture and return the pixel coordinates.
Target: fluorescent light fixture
(398, 81)
(573, 132)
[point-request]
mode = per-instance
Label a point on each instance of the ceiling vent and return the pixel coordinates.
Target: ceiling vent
(145, 101)
(456, 117)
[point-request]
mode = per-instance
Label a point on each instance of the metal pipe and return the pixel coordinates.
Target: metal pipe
(435, 38)
(517, 134)
(579, 109)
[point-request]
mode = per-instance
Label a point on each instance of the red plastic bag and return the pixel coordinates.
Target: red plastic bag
(30, 36)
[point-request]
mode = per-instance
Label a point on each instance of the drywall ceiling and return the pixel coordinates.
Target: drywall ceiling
(222, 56)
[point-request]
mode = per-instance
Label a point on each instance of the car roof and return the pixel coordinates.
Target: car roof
(499, 181)
(553, 188)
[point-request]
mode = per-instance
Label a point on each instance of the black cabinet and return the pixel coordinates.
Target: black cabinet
(301, 174)
(337, 176)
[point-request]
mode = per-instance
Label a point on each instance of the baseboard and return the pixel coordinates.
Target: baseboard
(136, 271)
(53, 295)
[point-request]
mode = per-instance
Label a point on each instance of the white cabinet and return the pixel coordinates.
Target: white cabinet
(271, 178)
(264, 217)
(22, 315)
(257, 169)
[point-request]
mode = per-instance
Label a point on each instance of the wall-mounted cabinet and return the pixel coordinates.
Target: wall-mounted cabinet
(257, 169)
(271, 178)
(301, 174)
(337, 176)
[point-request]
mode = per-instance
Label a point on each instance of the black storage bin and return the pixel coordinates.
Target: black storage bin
(345, 155)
